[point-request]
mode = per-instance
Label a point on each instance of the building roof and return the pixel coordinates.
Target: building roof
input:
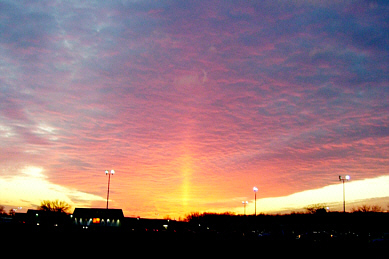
(98, 213)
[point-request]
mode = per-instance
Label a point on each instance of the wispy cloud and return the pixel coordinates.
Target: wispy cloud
(32, 187)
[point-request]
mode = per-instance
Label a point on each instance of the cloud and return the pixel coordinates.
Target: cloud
(32, 186)
(234, 93)
(357, 191)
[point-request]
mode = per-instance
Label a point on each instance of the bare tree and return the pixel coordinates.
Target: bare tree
(362, 208)
(54, 206)
(316, 208)
(11, 212)
(377, 208)
(193, 216)
(367, 208)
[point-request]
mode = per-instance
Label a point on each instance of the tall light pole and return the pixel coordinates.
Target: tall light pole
(244, 206)
(255, 189)
(343, 179)
(109, 173)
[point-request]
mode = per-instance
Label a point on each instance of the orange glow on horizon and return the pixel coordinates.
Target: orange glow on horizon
(35, 187)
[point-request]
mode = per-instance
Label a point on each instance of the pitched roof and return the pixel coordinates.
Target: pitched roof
(98, 213)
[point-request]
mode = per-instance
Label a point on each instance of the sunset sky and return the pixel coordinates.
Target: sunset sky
(193, 103)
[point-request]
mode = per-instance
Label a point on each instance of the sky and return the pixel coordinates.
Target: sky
(193, 103)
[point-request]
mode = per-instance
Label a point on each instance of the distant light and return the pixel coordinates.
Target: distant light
(347, 177)
(255, 189)
(112, 171)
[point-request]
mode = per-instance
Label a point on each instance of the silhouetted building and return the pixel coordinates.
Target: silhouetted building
(86, 218)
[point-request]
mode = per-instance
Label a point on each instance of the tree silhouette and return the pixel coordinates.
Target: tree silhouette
(316, 208)
(2, 211)
(367, 208)
(54, 206)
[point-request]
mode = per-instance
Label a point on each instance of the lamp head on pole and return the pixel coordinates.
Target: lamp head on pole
(107, 172)
(343, 178)
(255, 189)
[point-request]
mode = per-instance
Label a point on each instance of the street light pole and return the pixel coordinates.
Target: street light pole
(255, 189)
(343, 179)
(109, 181)
(244, 206)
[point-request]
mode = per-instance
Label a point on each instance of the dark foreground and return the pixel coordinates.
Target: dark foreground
(329, 230)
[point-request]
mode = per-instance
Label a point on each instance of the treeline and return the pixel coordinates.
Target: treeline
(364, 226)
